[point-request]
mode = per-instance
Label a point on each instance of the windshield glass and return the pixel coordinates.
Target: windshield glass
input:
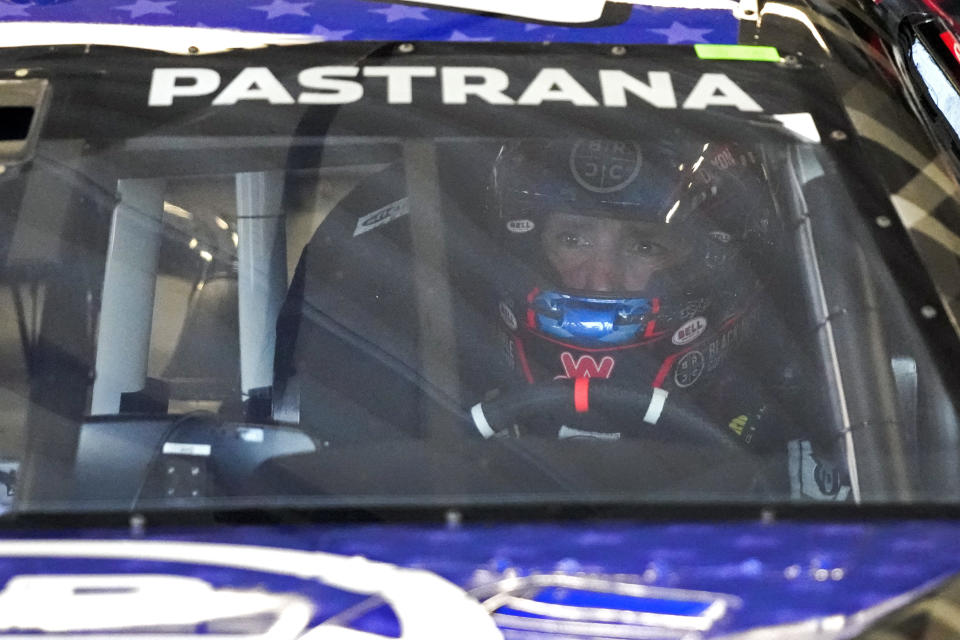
(649, 279)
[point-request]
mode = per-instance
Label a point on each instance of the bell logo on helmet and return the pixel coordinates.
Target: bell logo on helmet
(585, 366)
(690, 331)
(520, 226)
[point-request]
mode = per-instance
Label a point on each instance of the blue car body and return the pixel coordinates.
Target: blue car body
(705, 578)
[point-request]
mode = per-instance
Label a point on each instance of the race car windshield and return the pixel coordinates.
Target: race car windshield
(440, 282)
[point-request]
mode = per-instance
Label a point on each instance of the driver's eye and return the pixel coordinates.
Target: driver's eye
(642, 247)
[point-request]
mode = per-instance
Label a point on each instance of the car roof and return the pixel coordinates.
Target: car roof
(594, 21)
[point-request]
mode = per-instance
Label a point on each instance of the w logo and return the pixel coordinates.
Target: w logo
(585, 366)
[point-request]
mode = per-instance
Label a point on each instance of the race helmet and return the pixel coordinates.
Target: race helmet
(638, 261)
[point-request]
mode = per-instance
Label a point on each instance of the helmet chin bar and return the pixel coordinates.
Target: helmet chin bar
(590, 319)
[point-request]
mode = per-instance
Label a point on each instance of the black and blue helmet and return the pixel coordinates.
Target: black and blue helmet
(690, 312)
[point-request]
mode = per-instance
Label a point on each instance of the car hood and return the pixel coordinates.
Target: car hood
(610, 578)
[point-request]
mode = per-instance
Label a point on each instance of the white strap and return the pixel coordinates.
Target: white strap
(657, 400)
(480, 420)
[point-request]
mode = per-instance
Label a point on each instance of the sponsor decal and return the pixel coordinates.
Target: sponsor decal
(721, 236)
(688, 366)
(250, 434)
(186, 449)
(509, 349)
(585, 366)
(724, 159)
(811, 477)
(382, 216)
(717, 253)
(520, 226)
(425, 604)
(745, 427)
(690, 331)
(829, 478)
(456, 85)
(508, 317)
(715, 258)
(719, 348)
(602, 166)
(689, 369)
(8, 483)
(109, 602)
(737, 424)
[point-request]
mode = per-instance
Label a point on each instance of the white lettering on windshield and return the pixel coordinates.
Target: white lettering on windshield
(459, 85)
(166, 84)
(658, 91)
(254, 83)
(716, 89)
(556, 85)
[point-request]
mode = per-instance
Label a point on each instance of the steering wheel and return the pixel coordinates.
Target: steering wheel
(648, 411)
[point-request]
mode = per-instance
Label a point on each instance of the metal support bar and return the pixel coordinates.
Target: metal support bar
(26, 335)
(853, 343)
(262, 273)
(129, 284)
(437, 340)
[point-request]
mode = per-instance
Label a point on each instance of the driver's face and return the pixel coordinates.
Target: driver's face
(604, 254)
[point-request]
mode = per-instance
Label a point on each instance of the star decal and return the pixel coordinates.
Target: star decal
(400, 12)
(677, 33)
(460, 36)
(329, 35)
(7, 10)
(279, 8)
(147, 7)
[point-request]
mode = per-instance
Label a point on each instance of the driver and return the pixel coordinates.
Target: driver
(644, 267)
(642, 264)
(649, 265)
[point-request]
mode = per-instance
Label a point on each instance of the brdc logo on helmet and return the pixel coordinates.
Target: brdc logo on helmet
(603, 166)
